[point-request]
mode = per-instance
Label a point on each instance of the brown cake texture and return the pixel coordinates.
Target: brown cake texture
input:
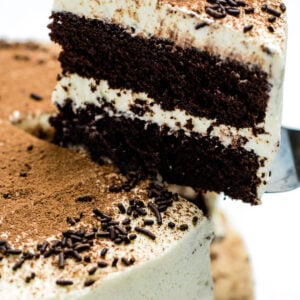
(36, 170)
(204, 93)
(177, 75)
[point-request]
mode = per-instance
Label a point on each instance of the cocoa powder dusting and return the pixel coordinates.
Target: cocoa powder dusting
(37, 206)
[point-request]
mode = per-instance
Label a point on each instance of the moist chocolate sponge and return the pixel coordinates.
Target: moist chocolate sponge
(232, 92)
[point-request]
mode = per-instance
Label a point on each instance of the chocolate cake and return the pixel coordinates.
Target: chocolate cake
(43, 188)
(189, 90)
(64, 235)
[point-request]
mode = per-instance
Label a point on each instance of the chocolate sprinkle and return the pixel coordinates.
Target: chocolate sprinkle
(282, 7)
(36, 97)
(71, 221)
(241, 3)
(145, 232)
(183, 227)
(156, 212)
(248, 28)
(85, 198)
(264, 7)
(132, 236)
(18, 264)
(115, 262)
(82, 247)
(273, 12)
(103, 252)
(216, 11)
(171, 225)
(102, 264)
(118, 240)
(126, 262)
(195, 220)
(61, 260)
(201, 25)
(120, 230)
(100, 214)
(112, 233)
(64, 282)
(76, 255)
(141, 211)
(231, 2)
(87, 259)
(272, 19)
(29, 278)
(233, 11)
(89, 282)
(249, 10)
(13, 251)
(92, 271)
(121, 208)
(148, 222)
(271, 29)
(103, 234)
(126, 221)
(115, 189)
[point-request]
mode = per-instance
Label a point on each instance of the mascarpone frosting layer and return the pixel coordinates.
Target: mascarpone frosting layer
(175, 265)
(83, 91)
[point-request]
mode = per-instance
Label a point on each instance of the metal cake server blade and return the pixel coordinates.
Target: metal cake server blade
(284, 173)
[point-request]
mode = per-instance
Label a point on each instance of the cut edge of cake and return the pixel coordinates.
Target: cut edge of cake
(90, 90)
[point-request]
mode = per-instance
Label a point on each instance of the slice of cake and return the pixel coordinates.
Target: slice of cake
(189, 90)
(63, 235)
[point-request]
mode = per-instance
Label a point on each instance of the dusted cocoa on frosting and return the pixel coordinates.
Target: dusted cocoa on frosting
(33, 171)
(259, 19)
(48, 193)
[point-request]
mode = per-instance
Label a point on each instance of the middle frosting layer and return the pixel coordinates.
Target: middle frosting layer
(126, 103)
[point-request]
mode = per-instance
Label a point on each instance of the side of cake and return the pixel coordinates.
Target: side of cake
(188, 90)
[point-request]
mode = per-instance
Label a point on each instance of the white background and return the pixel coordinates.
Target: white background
(272, 230)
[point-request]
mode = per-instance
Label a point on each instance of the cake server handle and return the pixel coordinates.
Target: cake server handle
(284, 173)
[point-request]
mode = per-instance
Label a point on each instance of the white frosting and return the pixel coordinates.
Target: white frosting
(174, 266)
(155, 18)
(77, 88)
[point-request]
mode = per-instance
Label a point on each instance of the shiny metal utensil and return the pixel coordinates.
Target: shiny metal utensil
(285, 170)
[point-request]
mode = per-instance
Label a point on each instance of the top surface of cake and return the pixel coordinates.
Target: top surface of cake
(69, 230)
(197, 88)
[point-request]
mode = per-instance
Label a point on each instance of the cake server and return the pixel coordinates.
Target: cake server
(285, 171)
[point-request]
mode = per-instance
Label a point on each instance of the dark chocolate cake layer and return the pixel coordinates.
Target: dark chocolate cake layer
(229, 91)
(133, 145)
